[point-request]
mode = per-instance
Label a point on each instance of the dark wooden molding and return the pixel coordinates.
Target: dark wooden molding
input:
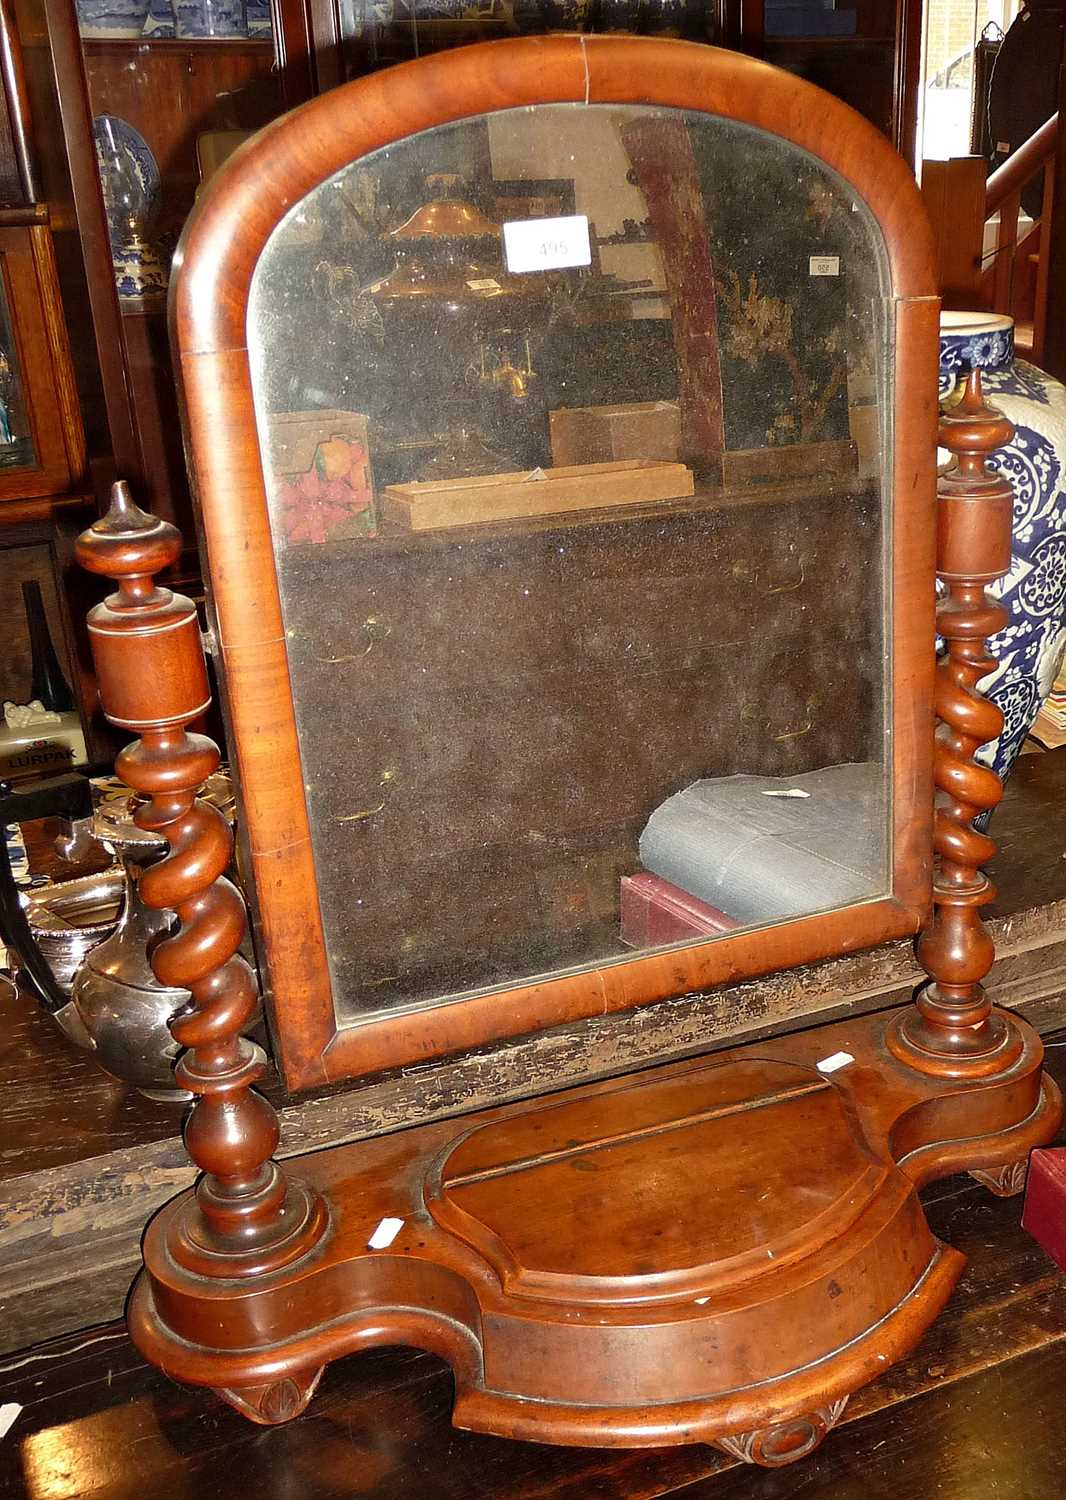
(13, 74)
(42, 349)
(1055, 334)
(60, 26)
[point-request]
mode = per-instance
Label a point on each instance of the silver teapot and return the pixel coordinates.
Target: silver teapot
(97, 936)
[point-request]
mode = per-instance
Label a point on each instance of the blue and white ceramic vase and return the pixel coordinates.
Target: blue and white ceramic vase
(1029, 649)
(214, 18)
(140, 274)
(112, 18)
(260, 22)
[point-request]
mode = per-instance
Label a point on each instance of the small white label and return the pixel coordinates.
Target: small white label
(547, 244)
(8, 1412)
(825, 265)
(384, 1234)
(1003, 147)
(838, 1060)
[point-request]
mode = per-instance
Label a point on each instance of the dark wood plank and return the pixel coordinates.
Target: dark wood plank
(57, 1104)
(995, 1434)
(1054, 357)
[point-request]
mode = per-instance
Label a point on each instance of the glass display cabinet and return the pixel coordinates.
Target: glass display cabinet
(121, 172)
(562, 414)
(131, 107)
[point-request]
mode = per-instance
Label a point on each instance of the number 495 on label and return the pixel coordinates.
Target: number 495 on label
(547, 244)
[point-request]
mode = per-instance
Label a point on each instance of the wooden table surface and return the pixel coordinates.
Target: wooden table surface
(973, 1414)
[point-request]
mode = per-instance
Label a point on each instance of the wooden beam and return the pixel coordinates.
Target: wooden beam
(1054, 357)
(1043, 255)
(954, 193)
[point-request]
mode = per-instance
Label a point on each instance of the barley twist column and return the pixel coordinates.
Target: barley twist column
(952, 1030)
(246, 1217)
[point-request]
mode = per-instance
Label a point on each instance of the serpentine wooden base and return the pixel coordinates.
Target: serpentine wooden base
(717, 1251)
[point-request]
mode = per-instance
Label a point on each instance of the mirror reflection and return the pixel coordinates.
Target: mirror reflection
(573, 422)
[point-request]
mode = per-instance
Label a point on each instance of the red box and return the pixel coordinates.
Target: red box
(653, 912)
(1044, 1214)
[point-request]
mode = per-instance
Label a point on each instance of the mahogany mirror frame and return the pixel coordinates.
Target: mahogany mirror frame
(214, 269)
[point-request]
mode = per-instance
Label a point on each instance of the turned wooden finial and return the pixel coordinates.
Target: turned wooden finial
(952, 1029)
(129, 545)
(246, 1215)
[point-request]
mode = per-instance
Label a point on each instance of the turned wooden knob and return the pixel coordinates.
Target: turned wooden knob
(975, 503)
(128, 543)
(145, 640)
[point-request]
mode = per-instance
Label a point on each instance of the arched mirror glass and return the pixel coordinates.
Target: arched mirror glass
(575, 428)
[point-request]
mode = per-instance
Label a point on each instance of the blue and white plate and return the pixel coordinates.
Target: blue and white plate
(112, 18)
(123, 153)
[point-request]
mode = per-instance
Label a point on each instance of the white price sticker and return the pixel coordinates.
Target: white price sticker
(384, 1234)
(825, 265)
(831, 1064)
(547, 244)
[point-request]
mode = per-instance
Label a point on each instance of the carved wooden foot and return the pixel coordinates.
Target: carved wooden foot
(784, 1442)
(1005, 1182)
(275, 1402)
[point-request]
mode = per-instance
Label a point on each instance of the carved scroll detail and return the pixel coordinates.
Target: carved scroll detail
(1005, 1182)
(784, 1442)
(278, 1402)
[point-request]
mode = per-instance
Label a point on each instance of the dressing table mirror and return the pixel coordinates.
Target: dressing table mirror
(562, 415)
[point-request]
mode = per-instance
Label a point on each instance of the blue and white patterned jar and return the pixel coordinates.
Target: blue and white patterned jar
(218, 18)
(140, 275)
(112, 18)
(1029, 649)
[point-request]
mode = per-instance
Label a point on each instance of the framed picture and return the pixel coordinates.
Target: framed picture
(42, 447)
